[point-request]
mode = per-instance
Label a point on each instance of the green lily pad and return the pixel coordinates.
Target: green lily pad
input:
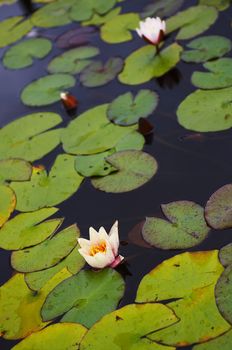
(94, 165)
(223, 342)
(26, 230)
(133, 141)
(7, 203)
(218, 210)
(7, 2)
(190, 278)
(46, 190)
(12, 29)
(47, 253)
(126, 109)
(192, 22)
(85, 297)
(20, 307)
(57, 336)
(161, 8)
(47, 89)
(223, 292)
(73, 61)
(118, 29)
(73, 262)
(225, 255)
(14, 169)
(84, 10)
(144, 64)
(53, 15)
(29, 137)
(206, 48)
(206, 111)
(220, 75)
(98, 73)
(98, 20)
(221, 5)
(91, 132)
(185, 227)
(22, 54)
(129, 326)
(135, 168)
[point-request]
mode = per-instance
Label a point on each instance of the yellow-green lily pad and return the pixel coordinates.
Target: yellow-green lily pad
(14, 169)
(223, 342)
(12, 29)
(85, 9)
(7, 203)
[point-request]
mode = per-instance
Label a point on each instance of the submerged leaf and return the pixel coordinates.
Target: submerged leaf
(135, 168)
(218, 210)
(129, 326)
(61, 336)
(44, 190)
(144, 64)
(126, 109)
(161, 8)
(47, 253)
(220, 75)
(221, 5)
(85, 297)
(75, 37)
(22, 54)
(14, 169)
(205, 111)
(29, 137)
(98, 74)
(185, 227)
(206, 48)
(73, 61)
(12, 29)
(223, 291)
(7, 203)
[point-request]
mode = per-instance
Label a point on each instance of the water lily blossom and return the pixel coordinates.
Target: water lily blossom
(152, 30)
(101, 249)
(69, 101)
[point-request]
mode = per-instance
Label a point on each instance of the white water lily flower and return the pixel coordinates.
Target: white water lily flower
(152, 30)
(101, 249)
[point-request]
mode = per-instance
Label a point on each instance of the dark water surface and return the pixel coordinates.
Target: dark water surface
(190, 168)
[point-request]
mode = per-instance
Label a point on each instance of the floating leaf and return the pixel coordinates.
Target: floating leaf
(75, 37)
(205, 111)
(86, 297)
(91, 132)
(20, 307)
(73, 262)
(46, 90)
(225, 255)
(84, 10)
(220, 75)
(126, 109)
(190, 278)
(218, 210)
(144, 64)
(46, 190)
(7, 2)
(161, 8)
(98, 20)
(47, 253)
(221, 5)
(206, 48)
(132, 141)
(57, 336)
(185, 227)
(98, 74)
(118, 29)
(26, 230)
(129, 326)
(223, 292)
(223, 342)
(28, 137)
(73, 61)
(7, 203)
(22, 54)
(94, 165)
(192, 22)
(12, 29)
(14, 169)
(135, 168)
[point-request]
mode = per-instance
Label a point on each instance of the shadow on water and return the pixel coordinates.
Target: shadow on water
(27, 7)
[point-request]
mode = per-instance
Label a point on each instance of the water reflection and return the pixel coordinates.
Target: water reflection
(170, 79)
(27, 7)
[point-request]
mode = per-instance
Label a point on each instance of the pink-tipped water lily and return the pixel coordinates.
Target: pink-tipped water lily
(152, 30)
(101, 249)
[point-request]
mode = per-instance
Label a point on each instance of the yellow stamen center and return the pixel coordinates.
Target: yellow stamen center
(99, 248)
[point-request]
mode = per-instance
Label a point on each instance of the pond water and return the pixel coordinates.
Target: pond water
(192, 165)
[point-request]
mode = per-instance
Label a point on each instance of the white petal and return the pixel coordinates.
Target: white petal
(93, 236)
(103, 236)
(114, 238)
(85, 244)
(99, 260)
(139, 32)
